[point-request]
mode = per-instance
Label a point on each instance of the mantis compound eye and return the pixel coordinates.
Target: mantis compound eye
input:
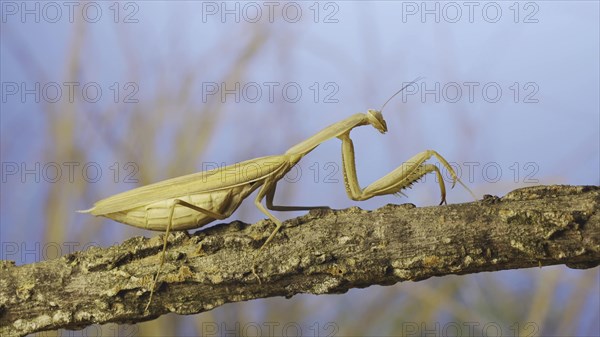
(376, 119)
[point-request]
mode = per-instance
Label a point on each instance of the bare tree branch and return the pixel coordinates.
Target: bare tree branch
(323, 252)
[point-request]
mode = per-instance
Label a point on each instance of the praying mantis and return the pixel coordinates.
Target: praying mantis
(194, 200)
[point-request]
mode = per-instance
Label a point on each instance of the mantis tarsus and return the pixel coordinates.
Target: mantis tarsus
(194, 200)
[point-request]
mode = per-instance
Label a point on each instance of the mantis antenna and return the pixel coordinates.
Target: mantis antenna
(399, 91)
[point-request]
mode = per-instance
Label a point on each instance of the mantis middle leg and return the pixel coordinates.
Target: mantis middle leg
(268, 191)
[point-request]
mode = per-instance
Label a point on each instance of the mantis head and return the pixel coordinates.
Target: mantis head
(375, 118)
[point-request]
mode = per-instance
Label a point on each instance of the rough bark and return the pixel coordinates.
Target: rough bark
(323, 252)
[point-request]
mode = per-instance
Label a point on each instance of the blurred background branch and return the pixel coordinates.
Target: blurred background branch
(323, 252)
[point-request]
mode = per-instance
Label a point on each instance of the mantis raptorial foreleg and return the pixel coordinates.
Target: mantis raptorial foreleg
(397, 180)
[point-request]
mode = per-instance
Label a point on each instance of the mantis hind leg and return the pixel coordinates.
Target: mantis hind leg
(268, 190)
(170, 224)
(394, 182)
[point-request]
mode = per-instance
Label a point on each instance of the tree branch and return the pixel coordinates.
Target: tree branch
(323, 252)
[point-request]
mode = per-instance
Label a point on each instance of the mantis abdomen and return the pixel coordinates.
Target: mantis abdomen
(155, 215)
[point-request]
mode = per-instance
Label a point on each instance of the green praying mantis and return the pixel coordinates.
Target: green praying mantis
(194, 200)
